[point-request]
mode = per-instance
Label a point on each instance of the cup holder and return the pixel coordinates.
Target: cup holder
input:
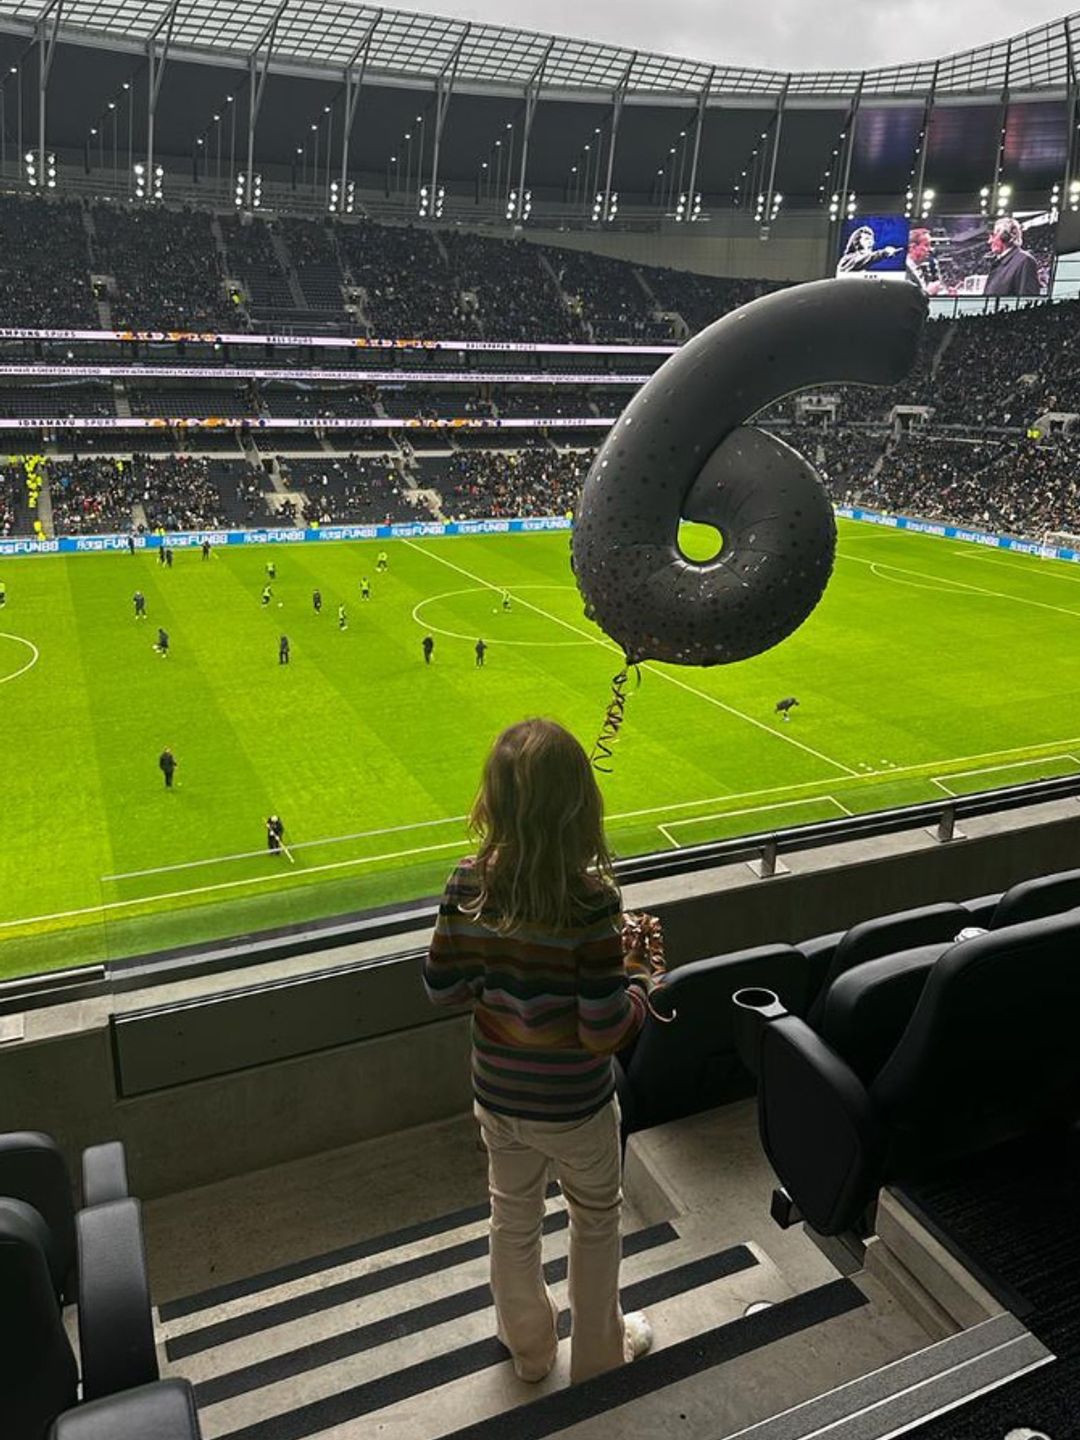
(755, 1007)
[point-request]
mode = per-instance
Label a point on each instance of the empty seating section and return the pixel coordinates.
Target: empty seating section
(14, 509)
(57, 401)
(880, 1052)
(45, 264)
(353, 489)
(235, 402)
(314, 259)
(292, 402)
(166, 268)
(253, 260)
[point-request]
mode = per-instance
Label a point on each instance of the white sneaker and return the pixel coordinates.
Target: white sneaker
(638, 1334)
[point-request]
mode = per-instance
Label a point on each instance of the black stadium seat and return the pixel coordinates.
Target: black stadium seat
(928, 925)
(865, 1012)
(690, 1064)
(33, 1170)
(1032, 899)
(989, 1053)
(38, 1375)
(162, 1411)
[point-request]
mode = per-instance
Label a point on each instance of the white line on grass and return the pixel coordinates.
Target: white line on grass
(754, 810)
(226, 885)
(976, 553)
(299, 845)
(962, 585)
(940, 781)
(35, 656)
(671, 679)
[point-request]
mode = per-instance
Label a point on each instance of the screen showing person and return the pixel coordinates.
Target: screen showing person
(1011, 256)
(873, 244)
(922, 267)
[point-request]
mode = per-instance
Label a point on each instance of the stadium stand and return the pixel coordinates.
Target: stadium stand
(499, 483)
(166, 267)
(184, 493)
(92, 495)
(14, 515)
(253, 260)
(407, 283)
(314, 260)
(352, 489)
(45, 264)
(516, 294)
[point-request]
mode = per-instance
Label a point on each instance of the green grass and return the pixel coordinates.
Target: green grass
(930, 667)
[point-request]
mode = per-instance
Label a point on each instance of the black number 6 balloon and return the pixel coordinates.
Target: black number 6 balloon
(682, 450)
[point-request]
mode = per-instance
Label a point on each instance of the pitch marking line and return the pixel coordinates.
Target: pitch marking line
(481, 590)
(940, 781)
(299, 845)
(907, 770)
(959, 585)
(35, 655)
(665, 830)
(671, 679)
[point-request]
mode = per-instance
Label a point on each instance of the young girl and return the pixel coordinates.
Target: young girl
(529, 933)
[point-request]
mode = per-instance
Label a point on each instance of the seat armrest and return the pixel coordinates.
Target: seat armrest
(116, 1328)
(104, 1174)
(818, 954)
(162, 1411)
(981, 908)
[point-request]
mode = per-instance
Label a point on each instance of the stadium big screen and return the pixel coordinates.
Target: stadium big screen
(873, 245)
(1011, 256)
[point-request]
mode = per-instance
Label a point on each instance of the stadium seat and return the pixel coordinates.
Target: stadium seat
(690, 1064)
(33, 1170)
(38, 1375)
(886, 935)
(1032, 899)
(987, 1055)
(116, 1328)
(864, 1012)
(162, 1411)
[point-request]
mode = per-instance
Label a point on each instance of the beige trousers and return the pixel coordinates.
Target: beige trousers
(586, 1158)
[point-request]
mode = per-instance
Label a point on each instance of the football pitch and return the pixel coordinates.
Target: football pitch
(930, 668)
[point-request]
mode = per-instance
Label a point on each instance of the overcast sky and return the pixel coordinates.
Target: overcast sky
(781, 34)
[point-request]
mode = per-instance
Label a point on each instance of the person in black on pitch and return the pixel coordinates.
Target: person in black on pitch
(481, 651)
(167, 766)
(140, 605)
(168, 558)
(316, 601)
(206, 549)
(283, 650)
(161, 553)
(785, 707)
(275, 830)
(162, 646)
(131, 544)
(429, 645)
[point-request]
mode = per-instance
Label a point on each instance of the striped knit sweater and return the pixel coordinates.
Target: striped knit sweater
(549, 1009)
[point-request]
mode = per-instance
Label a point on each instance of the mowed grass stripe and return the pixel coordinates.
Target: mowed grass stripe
(356, 735)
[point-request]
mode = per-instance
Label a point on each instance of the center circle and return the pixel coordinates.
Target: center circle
(27, 664)
(494, 592)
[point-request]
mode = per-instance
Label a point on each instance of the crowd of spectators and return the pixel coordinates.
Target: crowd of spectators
(179, 493)
(92, 495)
(352, 489)
(166, 267)
(408, 287)
(45, 265)
(498, 484)
(516, 295)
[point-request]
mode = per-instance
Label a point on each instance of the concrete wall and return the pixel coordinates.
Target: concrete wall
(64, 1075)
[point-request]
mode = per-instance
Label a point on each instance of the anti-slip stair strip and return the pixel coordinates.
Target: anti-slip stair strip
(350, 1404)
(391, 1327)
(326, 1297)
(907, 1373)
(563, 1408)
(301, 1269)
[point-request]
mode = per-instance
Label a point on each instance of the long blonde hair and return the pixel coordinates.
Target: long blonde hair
(539, 818)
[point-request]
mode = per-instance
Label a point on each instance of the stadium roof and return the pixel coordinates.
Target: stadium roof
(328, 36)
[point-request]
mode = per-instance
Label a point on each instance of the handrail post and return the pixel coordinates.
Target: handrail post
(769, 864)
